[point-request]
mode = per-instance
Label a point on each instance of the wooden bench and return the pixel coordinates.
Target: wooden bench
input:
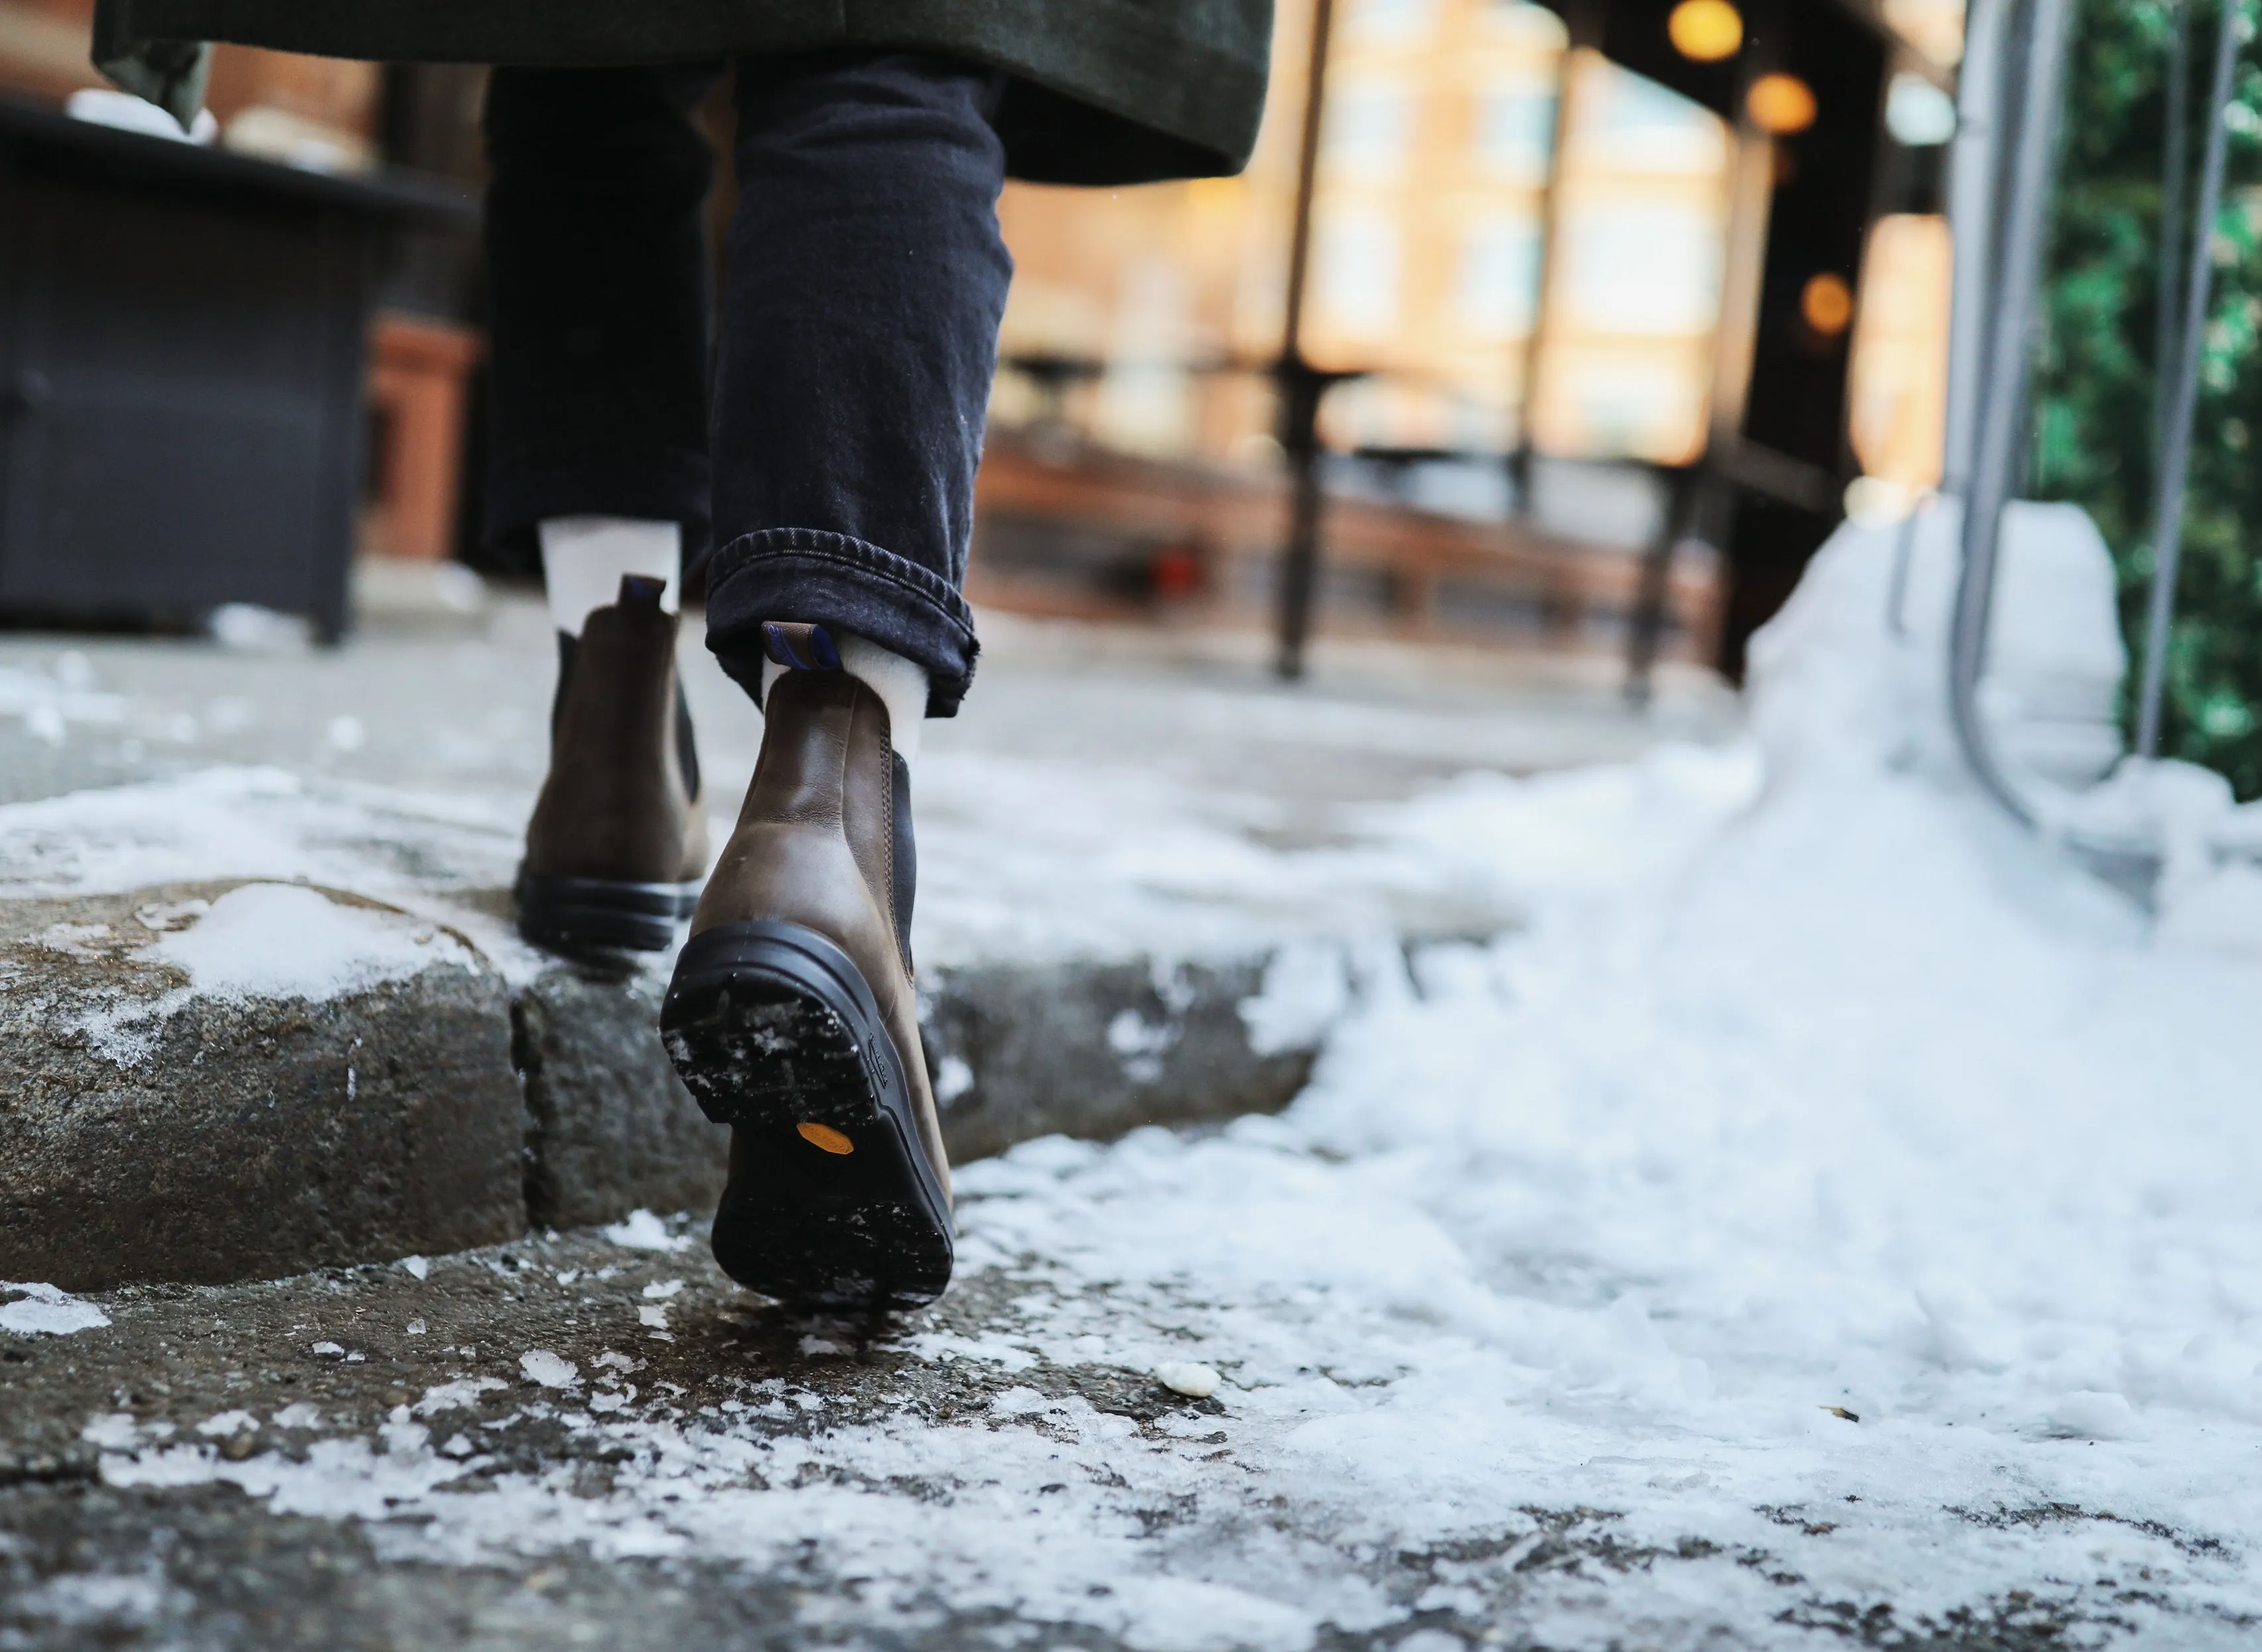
(1072, 530)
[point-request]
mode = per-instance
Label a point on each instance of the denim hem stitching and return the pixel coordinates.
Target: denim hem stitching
(750, 551)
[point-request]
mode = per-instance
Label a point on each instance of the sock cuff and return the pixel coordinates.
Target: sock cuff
(900, 683)
(583, 558)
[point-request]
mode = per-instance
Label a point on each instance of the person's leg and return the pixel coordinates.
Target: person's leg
(597, 275)
(597, 296)
(859, 335)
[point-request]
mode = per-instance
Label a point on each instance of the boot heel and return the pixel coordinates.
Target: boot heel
(832, 1201)
(570, 913)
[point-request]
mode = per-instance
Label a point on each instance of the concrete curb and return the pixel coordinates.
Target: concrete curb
(609, 1128)
(150, 1134)
(1098, 1049)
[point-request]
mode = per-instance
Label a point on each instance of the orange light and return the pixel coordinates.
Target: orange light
(825, 1137)
(1827, 304)
(1706, 31)
(1781, 104)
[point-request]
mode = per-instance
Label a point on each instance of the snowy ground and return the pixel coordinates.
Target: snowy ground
(1830, 1219)
(1097, 800)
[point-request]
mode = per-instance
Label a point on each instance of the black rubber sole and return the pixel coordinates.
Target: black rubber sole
(833, 1203)
(568, 915)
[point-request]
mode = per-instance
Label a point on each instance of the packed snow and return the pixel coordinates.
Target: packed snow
(281, 940)
(1830, 1198)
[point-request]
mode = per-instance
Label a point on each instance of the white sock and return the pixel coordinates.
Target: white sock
(901, 684)
(583, 558)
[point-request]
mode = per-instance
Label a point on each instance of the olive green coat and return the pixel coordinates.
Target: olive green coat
(1102, 91)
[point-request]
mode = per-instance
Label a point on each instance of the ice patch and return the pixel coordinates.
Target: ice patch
(1305, 991)
(465, 1392)
(2087, 1414)
(43, 1311)
(86, 1600)
(549, 1369)
(642, 1231)
(1183, 1376)
(952, 1078)
(115, 1432)
(1141, 1045)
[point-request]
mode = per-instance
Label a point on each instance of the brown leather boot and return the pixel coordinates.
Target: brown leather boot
(618, 840)
(792, 1016)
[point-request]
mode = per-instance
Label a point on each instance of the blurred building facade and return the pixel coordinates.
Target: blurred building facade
(1532, 263)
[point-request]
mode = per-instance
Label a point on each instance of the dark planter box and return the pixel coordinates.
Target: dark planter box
(182, 343)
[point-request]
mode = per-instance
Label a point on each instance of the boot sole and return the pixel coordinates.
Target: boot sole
(833, 1205)
(568, 915)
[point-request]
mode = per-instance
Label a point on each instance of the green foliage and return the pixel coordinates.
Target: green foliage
(2096, 439)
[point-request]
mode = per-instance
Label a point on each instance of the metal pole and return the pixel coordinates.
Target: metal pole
(1582, 27)
(2175, 435)
(2177, 97)
(1973, 187)
(1300, 387)
(2002, 423)
(1653, 592)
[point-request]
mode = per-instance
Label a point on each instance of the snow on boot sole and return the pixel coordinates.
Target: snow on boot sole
(833, 1203)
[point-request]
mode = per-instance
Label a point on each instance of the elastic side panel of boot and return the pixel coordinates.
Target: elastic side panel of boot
(906, 859)
(687, 749)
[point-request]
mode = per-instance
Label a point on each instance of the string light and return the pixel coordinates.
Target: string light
(1827, 304)
(1781, 104)
(1706, 31)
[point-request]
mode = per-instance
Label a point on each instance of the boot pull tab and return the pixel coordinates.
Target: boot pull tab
(800, 648)
(641, 591)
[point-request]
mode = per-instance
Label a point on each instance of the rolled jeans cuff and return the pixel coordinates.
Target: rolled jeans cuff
(652, 484)
(812, 576)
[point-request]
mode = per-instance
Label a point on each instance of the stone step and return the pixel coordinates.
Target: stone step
(215, 1082)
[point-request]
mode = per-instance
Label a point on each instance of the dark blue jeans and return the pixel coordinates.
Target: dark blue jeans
(832, 470)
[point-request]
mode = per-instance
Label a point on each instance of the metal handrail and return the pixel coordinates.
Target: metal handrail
(2004, 345)
(2176, 428)
(2008, 340)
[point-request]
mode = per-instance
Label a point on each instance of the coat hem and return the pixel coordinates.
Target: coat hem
(1202, 101)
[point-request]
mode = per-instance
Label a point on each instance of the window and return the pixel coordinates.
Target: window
(1499, 276)
(1643, 267)
(1516, 126)
(1630, 124)
(1356, 267)
(1370, 125)
(1401, 21)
